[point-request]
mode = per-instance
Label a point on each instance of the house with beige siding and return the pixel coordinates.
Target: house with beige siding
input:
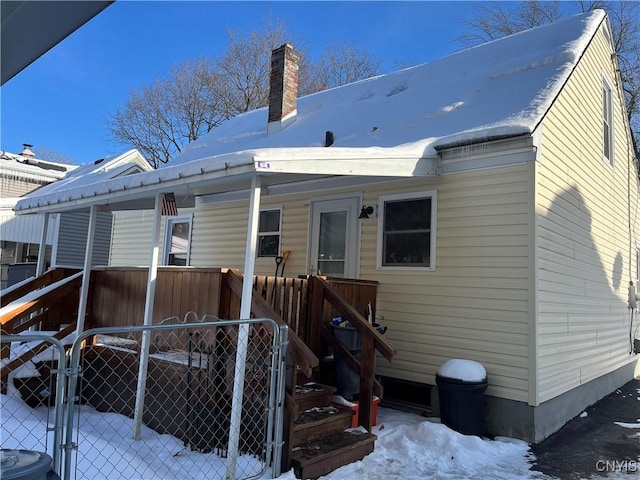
(492, 194)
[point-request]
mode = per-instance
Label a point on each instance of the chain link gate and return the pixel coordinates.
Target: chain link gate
(32, 413)
(184, 418)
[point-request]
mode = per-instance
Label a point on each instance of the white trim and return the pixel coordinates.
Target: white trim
(355, 243)
(433, 195)
(185, 218)
(280, 209)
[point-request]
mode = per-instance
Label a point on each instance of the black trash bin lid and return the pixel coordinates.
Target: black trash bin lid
(24, 464)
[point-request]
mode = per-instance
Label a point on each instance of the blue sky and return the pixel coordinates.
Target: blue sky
(61, 101)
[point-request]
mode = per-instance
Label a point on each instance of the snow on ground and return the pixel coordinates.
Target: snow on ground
(408, 447)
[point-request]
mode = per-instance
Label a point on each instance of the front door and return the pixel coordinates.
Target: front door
(334, 246)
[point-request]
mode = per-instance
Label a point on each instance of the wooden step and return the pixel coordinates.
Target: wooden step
(314, 459)
(318, 422)
(313, 395)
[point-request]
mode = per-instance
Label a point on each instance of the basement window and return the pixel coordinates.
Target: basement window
(406, 231)
(178, 241)
(607, 122)
(269, 231)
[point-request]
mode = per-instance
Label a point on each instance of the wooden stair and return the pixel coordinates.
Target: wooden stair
(322, 439)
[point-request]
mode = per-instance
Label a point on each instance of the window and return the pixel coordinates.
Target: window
(406, 231)
(607, 122)
(269, 233)
(178, 241)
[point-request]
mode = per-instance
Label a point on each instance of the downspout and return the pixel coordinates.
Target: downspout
(148, 318)
(42, 250)
(88, 253)
(243, 332)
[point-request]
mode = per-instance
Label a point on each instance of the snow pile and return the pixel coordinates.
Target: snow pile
(461, 369)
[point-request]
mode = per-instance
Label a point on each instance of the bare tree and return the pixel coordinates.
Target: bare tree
(493, 20)
(198, 95)
(51, 155)
(340, 64)
(160, 118)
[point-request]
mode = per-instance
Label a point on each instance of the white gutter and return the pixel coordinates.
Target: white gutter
(402, 161)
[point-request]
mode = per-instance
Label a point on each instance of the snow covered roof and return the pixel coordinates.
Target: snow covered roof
(101, 170)
(496, 90)
(30, 168)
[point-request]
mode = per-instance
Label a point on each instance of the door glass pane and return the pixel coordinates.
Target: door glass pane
(332, 243)
(179, 237)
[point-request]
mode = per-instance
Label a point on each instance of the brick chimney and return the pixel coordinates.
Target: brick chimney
(283, 88)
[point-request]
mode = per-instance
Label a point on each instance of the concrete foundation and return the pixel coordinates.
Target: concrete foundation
(533, 424)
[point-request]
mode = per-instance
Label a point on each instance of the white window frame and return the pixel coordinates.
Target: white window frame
(264, 234)
(167, 236)
(607, 120)
(433, 195)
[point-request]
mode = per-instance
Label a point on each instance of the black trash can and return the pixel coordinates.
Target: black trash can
(461, 391)
(348, 381)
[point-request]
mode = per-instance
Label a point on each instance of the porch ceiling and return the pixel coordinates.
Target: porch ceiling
(29, 29)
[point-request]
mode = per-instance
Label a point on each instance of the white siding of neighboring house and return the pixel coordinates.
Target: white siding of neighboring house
(12, 185)
(72, 239)
(586, 243)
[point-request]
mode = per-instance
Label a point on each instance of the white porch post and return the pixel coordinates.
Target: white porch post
(88, 254)
(148, 318)
(243, 333)
(42, 250)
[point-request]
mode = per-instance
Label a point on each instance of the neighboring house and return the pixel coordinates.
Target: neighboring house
(20, 236)
(493, 194)
(66, 237)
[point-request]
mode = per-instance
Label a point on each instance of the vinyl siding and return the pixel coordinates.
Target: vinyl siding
(131, 237)
(72, 239)
(586, 239)
(473, 306)
(13, 186)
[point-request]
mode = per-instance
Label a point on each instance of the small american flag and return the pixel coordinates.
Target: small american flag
(169, 207)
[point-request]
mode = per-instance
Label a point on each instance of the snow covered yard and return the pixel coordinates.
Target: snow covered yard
(408, 447)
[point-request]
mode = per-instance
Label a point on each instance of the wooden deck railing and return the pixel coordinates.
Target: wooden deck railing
(305, 304)
(372, 340)
(54, 275)
(304, 357)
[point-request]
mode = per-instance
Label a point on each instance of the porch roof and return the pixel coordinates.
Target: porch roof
(231, 173)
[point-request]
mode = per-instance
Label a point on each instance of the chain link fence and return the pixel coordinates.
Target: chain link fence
(32, 414)
(161, 408)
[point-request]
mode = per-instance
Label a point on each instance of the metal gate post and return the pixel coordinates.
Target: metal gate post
(280, 395)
